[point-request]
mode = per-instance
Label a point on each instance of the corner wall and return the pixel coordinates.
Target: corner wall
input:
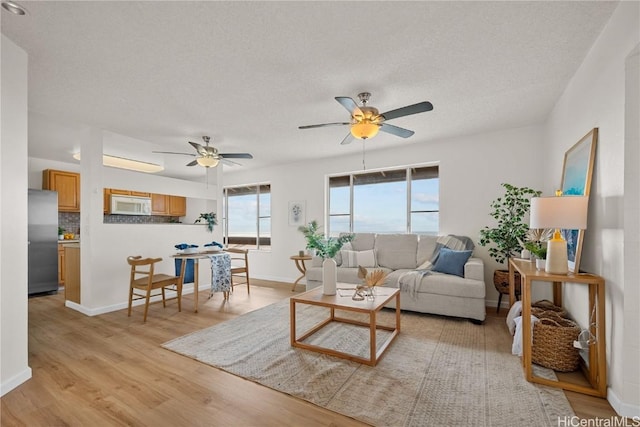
(595, 97)
(14, 369)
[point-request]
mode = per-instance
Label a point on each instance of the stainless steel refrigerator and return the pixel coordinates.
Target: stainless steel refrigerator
(43, 241)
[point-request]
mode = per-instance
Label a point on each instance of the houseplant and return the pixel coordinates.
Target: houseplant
(504, 239)
(327, 248)
(536, 243)
(209, 218)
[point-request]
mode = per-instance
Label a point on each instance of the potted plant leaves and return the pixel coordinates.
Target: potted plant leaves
(504, 238)
(209, 218)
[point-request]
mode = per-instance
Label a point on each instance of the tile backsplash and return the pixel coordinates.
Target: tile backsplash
(70, 221)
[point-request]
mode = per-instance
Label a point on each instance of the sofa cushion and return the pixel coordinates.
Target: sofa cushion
(346, 247)
(451, 262)
(363, 241)
(426, 246)
(358, 258)
(396, 251)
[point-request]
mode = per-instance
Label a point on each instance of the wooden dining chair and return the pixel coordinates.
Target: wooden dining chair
(144, 279)
(239, 267)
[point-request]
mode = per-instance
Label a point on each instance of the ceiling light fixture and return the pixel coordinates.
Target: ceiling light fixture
(207, 162)
(364, 129)
(129, 164)
(14, 8)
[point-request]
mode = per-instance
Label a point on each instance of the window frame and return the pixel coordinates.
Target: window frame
(257, 242)
(408, 179)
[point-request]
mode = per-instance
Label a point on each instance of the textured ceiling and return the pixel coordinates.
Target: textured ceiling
(249, 73)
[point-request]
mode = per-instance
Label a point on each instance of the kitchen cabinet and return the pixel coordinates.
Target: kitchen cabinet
(67, 184)
(159, 204)
(72, 268)
(61, 261)
(177, 206)
(109, 191)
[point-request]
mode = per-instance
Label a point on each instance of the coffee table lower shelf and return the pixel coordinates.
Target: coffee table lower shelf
(334, 302)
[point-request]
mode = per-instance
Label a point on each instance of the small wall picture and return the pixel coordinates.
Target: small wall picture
(297, 213)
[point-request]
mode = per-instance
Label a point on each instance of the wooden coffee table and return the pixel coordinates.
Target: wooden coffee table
(337, 302)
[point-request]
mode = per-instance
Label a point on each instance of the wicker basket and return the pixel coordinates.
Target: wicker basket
(501, 281)
(549, 306)
(553, 344)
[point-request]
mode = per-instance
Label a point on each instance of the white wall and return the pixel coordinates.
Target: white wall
(595, 97)
(471, 170)
(14, 368)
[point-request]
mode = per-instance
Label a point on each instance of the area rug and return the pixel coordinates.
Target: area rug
(439, 371)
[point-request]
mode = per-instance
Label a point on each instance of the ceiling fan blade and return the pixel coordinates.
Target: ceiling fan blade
(323, 125)
(193, 163)
(350, 105)
(420, 107)
(235, 155)
(395, 130)
(173, 152)
(347, 139)
(229, 162)
(199, 148)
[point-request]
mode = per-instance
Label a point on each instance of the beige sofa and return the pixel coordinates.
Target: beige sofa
(400, 255)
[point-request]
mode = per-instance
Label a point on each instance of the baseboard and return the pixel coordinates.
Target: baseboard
(15, 381)
(623, 409)
(186, 290)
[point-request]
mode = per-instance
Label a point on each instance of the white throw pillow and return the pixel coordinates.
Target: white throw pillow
(358, 258)
(338, 258)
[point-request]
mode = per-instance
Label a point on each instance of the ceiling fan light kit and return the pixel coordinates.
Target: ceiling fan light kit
(366, 121)
(208, 156)
(207, 162)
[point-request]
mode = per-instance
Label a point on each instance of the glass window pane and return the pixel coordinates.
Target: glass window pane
(242, 216)
(338, 224)
(425, 195)
(380, 207)
(339, 200)
(265, 204)
(425, 223)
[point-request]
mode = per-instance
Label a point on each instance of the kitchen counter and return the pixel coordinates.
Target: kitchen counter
(68, 241)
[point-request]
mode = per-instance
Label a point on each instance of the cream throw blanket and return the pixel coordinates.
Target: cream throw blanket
(409, 282)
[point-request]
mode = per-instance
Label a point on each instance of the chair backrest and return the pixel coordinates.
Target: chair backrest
(142, 266)
(242, 255)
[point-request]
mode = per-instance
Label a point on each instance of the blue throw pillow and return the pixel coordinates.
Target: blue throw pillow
(451, 262)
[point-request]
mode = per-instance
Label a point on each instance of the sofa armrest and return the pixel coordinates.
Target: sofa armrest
(474, 269)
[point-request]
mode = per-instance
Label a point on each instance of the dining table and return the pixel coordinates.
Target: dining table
(220, 272)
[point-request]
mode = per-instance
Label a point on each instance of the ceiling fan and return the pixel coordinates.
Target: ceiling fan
(208, 156)
(367, 121)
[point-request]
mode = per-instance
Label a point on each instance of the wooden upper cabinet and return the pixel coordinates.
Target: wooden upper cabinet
(139, 194)
(159, 204)
(177, 206)
(67, 184)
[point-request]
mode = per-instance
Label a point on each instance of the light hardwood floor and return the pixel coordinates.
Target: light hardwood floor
(111, 370)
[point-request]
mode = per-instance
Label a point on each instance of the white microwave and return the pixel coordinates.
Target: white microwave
(130, 205)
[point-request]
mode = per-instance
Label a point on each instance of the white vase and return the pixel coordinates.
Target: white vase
(329, 276)
(540, 264)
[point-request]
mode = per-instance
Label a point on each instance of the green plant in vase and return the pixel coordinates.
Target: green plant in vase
(209, 218)
(504, 239)
(325, 247)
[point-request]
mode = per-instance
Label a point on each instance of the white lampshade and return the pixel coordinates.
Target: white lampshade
(566, 212)
(207, 162)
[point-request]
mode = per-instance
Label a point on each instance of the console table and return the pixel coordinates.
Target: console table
(596, 372)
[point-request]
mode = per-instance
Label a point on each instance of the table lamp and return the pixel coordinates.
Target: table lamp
(560, 212)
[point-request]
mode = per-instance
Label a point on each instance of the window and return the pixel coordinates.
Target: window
(386, 201)
(246, 218)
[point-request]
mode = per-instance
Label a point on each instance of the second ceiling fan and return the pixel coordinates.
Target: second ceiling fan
(367, 121)
(208, 156)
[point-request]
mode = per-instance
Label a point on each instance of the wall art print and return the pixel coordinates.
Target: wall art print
(297, 213)
(576, 181)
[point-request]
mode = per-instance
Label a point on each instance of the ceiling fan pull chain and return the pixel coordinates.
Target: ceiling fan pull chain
(364, 167)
